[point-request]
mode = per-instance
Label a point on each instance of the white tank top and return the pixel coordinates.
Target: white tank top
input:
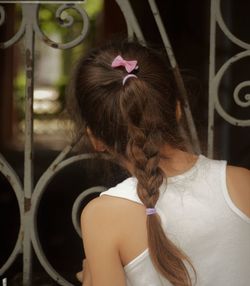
(198, 216)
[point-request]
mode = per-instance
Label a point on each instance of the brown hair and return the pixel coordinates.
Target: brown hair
(135, 120)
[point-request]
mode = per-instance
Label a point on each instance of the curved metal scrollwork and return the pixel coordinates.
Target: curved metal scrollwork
(216, 82)
(65, 22)
(29, 24)
(14, 181)
(31, 12)
(237, 99)
(216, 77)
(18, 34)
(45, 179)
(78, 202)
(2, 15)
(225, 28)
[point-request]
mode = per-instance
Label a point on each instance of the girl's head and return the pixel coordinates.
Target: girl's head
(134, 120)
(114, 112)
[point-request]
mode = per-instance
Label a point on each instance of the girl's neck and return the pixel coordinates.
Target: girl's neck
(175, 161)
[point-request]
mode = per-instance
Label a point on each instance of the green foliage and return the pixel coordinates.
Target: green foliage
(93, 7)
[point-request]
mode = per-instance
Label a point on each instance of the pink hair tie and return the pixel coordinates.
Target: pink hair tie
(150, 211)
(128, 76)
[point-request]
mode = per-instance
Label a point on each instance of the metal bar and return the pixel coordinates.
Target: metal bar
(163, 33)
(42, 2)
(177, 75)
(211, 76)
(130, 19)
(29, 16)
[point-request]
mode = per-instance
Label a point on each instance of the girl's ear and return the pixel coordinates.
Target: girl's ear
(178, 112)
(98, 145)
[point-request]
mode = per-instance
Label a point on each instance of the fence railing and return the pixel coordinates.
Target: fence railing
(215, 76)
(29, 195)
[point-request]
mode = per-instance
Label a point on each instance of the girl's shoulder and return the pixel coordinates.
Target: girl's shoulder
(113, 210)
(238, 184)
(113, 219)
(238, 173)
(106, 208)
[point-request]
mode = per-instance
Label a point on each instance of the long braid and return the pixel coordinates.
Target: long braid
(145, 159)
(143, 151)
(167, 258)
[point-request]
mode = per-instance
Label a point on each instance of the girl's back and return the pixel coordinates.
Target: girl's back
(198, 215)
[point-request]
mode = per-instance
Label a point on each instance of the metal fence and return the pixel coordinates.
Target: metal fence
(216, 74)
(29, 195)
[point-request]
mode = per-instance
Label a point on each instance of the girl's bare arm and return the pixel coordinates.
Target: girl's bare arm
(100, 225)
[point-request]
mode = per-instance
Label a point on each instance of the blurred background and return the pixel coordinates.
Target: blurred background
(187, 24)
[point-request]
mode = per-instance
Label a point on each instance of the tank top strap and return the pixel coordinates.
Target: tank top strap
(125, 190)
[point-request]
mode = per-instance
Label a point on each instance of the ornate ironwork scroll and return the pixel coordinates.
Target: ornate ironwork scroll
(215, 77)
(28, 197)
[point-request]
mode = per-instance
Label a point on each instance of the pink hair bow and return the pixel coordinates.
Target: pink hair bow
(120, 62)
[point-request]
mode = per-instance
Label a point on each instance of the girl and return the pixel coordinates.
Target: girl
(180, 218)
